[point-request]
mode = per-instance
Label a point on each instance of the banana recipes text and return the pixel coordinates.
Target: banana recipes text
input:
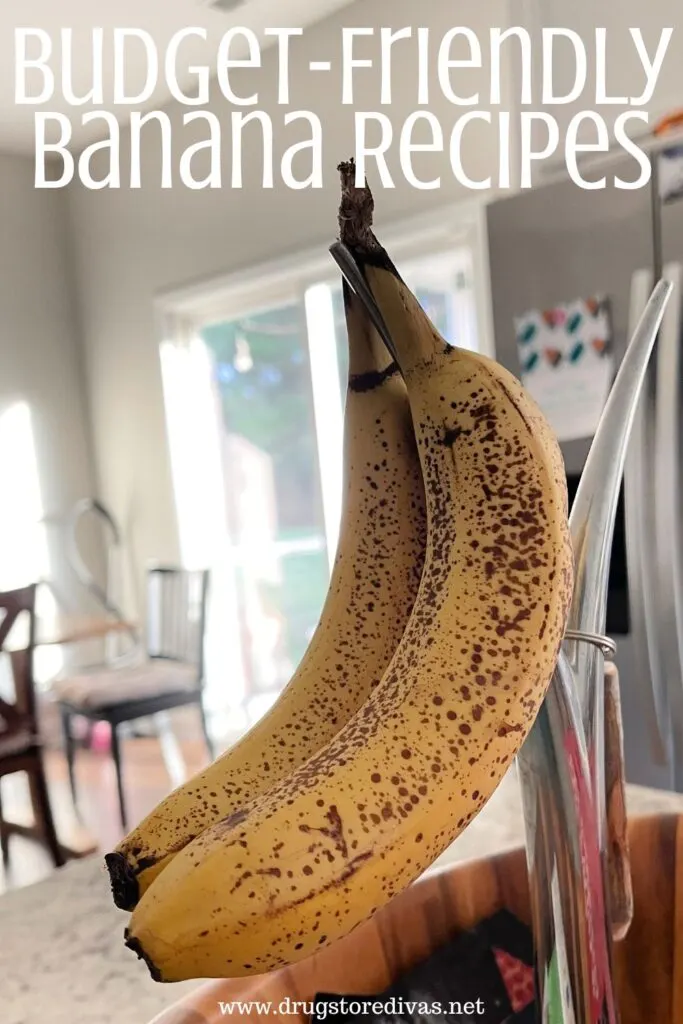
(416, 107)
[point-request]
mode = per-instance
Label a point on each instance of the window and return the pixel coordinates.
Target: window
(272, 468)
(24, 555)
(254, 380)
(23, 543)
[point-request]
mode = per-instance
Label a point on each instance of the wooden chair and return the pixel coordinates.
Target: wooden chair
(171, 676)
(20, 745)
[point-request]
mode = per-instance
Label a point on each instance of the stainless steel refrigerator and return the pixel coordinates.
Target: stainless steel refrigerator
(550, 246)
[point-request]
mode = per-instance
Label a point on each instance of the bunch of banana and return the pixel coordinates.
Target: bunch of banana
(372, 590)
(337, 837)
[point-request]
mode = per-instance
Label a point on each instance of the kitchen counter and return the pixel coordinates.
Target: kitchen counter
(62, 958)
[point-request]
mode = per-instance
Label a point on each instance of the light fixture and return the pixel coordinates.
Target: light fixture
(243, 361)
(225, 5)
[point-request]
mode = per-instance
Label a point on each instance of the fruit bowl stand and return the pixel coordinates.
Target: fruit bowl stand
(578, 867)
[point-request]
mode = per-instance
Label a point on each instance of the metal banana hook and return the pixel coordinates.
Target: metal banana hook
(355, 280)
(564, 794)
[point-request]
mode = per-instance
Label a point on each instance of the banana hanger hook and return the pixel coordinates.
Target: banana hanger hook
(344, 259)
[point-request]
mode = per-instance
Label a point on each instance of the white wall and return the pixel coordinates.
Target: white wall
(625, 75)
(130, 245)
(39, 356)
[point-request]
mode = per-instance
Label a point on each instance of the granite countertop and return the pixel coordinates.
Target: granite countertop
(62, 958)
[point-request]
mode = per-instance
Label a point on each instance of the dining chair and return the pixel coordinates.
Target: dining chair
(171, 675)
(20, 744)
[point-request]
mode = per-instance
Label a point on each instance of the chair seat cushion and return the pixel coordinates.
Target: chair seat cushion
(110, 686)
(16, 742)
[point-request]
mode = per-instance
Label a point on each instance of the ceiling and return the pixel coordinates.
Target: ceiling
(161, 18)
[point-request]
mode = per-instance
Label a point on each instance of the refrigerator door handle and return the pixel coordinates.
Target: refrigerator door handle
(641, 555)
(667, 503)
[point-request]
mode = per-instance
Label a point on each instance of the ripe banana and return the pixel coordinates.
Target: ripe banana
(327, 846)
(373, 586)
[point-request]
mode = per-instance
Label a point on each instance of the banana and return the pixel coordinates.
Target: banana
(367, 814)
(372, 589)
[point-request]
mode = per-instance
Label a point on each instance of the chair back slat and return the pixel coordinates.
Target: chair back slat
(176, 615)
(18, 711)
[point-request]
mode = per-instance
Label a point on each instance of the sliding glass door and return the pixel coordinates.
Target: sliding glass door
(271, 464)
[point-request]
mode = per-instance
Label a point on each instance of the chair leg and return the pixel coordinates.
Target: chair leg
(205, 730)
(70, 752)
(116, 754)
(4, 834)
(43, 810)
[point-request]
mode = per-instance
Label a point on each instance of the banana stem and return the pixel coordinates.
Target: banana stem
(357, 245)
(356, 212)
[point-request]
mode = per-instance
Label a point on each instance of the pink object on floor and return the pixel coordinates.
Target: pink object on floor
(100, 740)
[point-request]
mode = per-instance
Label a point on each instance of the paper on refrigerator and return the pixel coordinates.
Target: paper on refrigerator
(671, 174)
(567, 363)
